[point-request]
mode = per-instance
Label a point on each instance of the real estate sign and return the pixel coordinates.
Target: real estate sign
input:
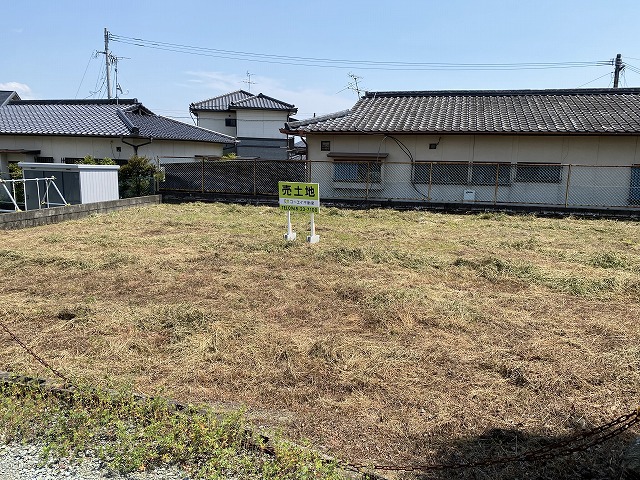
(299, 197)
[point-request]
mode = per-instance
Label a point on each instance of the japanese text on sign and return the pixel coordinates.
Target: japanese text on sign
(300, 197)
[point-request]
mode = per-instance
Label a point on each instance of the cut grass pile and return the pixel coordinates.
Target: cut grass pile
(402, 337)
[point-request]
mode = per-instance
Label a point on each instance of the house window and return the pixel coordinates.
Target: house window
(230, 122)
(325, 145)
(362, 172)
(538, 173)
(44, 159)
(444, 173)
(491, 174)
(72, 160)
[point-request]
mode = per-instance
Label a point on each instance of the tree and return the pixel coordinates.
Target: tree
(15, 172)
(89, 160)
(137, 177)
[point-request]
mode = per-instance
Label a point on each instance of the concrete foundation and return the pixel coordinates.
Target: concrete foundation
(34, 218)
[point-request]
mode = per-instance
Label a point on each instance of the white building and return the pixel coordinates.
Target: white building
(572, 148)
(65, 131)
(254, 120)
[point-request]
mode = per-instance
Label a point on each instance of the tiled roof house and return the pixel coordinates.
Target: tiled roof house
(557, 147)
(255, 120)
(66, 130)
(524, 112)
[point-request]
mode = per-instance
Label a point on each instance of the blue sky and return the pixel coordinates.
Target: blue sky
(48, 47)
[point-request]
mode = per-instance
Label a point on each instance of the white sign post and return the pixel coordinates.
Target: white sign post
(313, 238)
(290, 236)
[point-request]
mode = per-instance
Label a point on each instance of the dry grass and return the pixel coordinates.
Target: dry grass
(404, 337)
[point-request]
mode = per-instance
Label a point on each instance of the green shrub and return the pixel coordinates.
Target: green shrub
(15, 172)
(137, 177)
(90, 160)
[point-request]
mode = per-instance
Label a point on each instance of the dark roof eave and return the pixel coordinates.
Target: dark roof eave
(288, 131)
(242, 107)
(501, 93)
(115, 136)
(448, 132)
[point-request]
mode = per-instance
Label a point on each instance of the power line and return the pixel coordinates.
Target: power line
(345, 63)
(85, 72)
(602, 76)
(633, 68)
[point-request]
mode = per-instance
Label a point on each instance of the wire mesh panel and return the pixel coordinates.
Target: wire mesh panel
(229, 176)
(421, 182)
(181, 174)
(600, 186)
(269, 172)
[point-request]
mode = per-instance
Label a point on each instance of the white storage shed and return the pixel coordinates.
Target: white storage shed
(77, 183)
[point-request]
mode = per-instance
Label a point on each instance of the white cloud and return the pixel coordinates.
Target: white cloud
(307, 100)
(23, 90)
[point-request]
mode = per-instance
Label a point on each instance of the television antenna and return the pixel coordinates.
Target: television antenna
(248, 80)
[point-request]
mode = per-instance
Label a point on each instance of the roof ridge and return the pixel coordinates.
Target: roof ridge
(516, 92)
(221, 96)
(321, 118)
(75, 101)
(127, 121)
(274, 99)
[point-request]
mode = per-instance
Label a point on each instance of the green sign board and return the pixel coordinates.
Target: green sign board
(299, 197)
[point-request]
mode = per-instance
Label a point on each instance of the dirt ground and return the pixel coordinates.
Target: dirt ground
(402, 338)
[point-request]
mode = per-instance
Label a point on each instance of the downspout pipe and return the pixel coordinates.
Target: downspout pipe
(135, 147)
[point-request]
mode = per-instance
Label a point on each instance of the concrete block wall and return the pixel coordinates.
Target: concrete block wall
(45, 216)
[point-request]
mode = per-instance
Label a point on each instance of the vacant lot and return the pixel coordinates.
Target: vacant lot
(402, 337)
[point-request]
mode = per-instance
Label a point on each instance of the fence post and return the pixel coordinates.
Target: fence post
(430, 178)
(566, 193)
(368, 181)
(255, 187)
(495, 190)
(202, 176)
(157, 177)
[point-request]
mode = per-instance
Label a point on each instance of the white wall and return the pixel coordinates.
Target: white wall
(261, 123)
(587, 150)
(60, 147)
(98, 185)
(250, 123)
(607, 185)
(216, 121)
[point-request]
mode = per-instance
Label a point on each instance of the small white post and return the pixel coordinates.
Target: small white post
(290, 236)
(313, 238)
(46, 193)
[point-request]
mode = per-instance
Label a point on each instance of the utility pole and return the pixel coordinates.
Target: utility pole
(618, 68)
(107, 61)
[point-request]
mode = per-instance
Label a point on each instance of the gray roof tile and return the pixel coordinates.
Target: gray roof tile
(221, 102)
(97, 118)
(7, 95)
(262, 102)
(587, 111)
(241, 100)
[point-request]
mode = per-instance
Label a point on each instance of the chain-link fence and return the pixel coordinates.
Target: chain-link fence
(420, 182)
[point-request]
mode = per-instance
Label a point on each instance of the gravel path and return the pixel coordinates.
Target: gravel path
(21, 462)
